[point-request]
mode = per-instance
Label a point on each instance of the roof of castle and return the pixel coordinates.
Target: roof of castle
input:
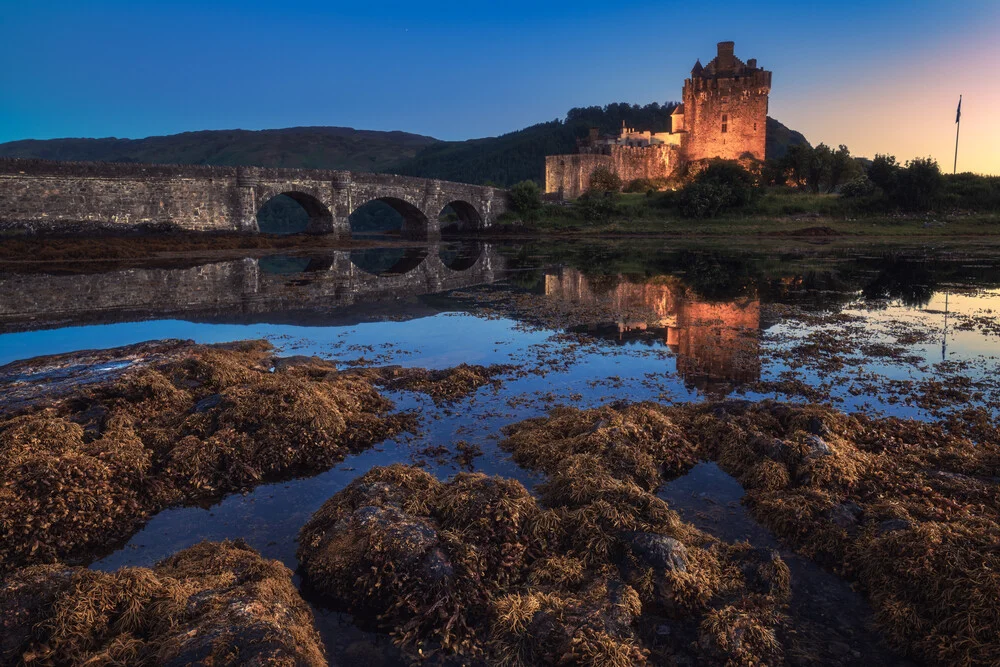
(678, 110)
(697, 69)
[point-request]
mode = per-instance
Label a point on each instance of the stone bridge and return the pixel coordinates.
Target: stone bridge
(320, 288)
(41, 195)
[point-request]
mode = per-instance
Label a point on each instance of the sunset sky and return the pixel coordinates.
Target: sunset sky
(878, 76)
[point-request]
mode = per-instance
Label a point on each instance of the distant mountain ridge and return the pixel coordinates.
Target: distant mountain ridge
(502, 160)
(301, 147)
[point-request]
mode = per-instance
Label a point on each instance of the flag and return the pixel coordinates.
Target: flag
(958, 114)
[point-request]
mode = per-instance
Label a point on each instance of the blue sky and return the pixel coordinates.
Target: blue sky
(458, 70)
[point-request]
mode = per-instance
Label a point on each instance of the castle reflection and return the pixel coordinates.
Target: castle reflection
(716, 343)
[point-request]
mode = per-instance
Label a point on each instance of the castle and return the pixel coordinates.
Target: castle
(723, 115)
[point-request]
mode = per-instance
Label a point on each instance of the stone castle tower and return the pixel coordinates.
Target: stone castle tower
(724, 113)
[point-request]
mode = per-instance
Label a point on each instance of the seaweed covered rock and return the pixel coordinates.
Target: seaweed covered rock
(478, 568)
(445, 385)
(909, 509)
(640, 443)
(85, 469)
(418, 554)
(214, 603)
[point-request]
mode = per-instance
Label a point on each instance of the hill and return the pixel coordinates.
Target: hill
(520, 156)
(304, 147)
(503, 160)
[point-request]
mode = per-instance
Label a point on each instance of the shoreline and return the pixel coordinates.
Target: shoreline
(24, 250)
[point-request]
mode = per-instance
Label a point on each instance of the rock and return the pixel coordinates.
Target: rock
(773, 448)
(211, 604)
(283, 363)
(846, 515)
(817, 446)
(891, 526)
(765, 572)
(731, 407)
(659, 551)
(207, 403)
(817, 427)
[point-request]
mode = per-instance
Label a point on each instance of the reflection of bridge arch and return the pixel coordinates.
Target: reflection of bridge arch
(388, 261)
(271, 289)
(460, 216)
(320, 217)
(460, 256)
(415, 224)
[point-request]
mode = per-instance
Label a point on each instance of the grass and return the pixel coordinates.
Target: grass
(777, 213)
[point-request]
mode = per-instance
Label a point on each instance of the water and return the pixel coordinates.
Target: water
(907, 332)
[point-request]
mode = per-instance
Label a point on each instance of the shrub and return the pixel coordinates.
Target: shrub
(604, 179)
(971, 192)
(599, 206)
(723, 185)
(883, 172)
(702, 200)
(918, 186)
(861, 186)
(525, 199)
(640, 185)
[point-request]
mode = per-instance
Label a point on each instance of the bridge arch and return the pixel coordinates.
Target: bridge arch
(277, 214)
(408, 221)
(459, 216)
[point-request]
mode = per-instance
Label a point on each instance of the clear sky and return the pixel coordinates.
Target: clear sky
(877, 76)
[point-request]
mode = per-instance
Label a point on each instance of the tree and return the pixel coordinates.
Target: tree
(883, 172)
(918, 186)
(843, 168)
(817, 166)
(604, 179)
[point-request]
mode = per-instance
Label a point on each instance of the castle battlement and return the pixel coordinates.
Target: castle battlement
(723, 115)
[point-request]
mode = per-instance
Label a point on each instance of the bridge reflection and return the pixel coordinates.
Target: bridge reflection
(313, 289)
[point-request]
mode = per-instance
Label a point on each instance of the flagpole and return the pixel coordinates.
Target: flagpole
(958, 127)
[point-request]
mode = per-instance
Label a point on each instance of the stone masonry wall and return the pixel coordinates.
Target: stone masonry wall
(650, 162)
(743, 102)
(569, 175)
(41, 195)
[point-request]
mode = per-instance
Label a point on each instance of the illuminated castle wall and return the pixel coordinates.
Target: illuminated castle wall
(723, 115)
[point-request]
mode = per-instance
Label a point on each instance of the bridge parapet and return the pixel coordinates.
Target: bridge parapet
(84, 196)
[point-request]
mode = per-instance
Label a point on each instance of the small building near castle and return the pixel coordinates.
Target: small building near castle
(723, 115)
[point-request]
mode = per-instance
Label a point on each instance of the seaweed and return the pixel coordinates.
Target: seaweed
(214, 603)
(87, 469)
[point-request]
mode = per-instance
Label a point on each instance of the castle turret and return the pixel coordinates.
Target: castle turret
(725, 108)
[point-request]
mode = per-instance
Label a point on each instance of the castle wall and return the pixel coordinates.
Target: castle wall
(569, 175)
(743, 102)
(651, 162)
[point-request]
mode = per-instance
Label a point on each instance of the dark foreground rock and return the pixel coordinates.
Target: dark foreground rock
(212, 604)
(177, 424)
(477, 570)
(909, 510)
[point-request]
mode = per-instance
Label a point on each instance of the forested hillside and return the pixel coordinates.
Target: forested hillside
(520, 156)
(305, 147)
(503, 160)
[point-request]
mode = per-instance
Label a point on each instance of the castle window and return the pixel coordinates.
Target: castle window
(725, 123)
